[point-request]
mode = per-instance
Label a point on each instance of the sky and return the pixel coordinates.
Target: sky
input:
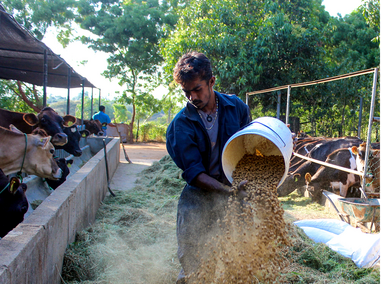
(76, 52)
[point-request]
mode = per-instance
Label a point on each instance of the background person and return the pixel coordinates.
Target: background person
(195, 140)
(103, 117)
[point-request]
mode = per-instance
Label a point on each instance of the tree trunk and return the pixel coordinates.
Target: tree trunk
(21, 94)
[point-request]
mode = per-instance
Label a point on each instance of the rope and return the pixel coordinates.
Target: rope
(4, 188)
(45, 181)
(18, 174)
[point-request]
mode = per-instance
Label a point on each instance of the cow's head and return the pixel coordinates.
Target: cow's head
(74, 135)
(39, 158)
(360, 156)
(13, 203)
(372, 176)
(290, 183)
(94, 126)
(52, 123)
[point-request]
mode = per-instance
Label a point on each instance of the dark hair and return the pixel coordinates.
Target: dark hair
(101, 108)
(191, 66)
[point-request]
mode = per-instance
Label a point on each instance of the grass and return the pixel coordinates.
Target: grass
(134, 239)
(300, 207)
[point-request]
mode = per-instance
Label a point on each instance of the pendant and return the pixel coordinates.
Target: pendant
(209, 118)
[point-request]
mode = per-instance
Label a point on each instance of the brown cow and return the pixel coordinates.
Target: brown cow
(94, 126)
(37, 155)
(372, 179)
(47, 120)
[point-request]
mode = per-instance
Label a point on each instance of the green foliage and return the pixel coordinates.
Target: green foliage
(11, 99)
(37, 15)
(121, 114)
(87, 108)
(151, 131)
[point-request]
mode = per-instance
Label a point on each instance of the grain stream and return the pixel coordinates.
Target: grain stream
(248, 245)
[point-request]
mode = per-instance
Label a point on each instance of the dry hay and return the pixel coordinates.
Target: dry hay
(134, 240)
(134, 237)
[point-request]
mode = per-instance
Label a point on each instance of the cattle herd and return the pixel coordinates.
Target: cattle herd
(27, 145)
(347, 152)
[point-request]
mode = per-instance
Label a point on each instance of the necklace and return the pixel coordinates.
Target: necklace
(209, 118)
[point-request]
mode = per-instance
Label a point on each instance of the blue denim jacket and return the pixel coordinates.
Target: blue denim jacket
(187, 139)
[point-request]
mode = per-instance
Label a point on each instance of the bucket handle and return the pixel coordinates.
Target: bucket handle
(270, 129)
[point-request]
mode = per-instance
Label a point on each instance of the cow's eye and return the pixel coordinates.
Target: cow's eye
(52, 151)
(43, 120)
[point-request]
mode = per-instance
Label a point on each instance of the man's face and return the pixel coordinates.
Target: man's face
(199, 91)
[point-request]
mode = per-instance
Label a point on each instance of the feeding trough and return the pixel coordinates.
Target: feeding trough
(361, 209)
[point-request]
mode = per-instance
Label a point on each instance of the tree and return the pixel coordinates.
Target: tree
(38, 15)
(252, 44)
(129, 31)
(19, 96)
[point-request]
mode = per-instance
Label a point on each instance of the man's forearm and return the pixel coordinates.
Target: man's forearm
(206, 182)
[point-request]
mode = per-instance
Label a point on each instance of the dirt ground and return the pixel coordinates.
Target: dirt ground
(142, 155)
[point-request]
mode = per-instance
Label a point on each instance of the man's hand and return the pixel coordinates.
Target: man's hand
(242, 189)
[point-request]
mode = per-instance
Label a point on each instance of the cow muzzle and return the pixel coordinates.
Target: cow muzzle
(58, 174)
(59, 139)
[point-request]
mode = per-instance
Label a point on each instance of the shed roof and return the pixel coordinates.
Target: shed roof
(22, 58)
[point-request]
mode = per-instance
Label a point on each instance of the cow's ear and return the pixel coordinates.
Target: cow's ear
(69, 120)
(43, 142)
(14, 185)
(31, 119)
(69, 162)
(355, 150)
(84, 133)
(308, 177)
(14, 129)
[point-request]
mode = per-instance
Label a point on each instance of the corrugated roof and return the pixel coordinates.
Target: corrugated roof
(22, 58)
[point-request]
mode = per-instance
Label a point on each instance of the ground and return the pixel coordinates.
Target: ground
(142, 155)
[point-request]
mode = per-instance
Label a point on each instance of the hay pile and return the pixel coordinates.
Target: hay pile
(134, 241)
(134, 237)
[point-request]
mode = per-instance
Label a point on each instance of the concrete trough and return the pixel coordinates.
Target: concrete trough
(33, 252)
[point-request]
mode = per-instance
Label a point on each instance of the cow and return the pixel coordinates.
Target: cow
(74, 135)
(47, 120)
(327, 177)
(319, 152)
(64, 166)
(94, 126)
(372, 177)
(29, 153)
(13, 203)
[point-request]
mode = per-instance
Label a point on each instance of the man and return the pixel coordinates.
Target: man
(103, 118)
(195, 140)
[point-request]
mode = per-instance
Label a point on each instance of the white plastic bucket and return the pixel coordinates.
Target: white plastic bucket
(268, 135)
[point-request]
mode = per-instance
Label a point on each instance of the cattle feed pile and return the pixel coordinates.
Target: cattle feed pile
(246, 247)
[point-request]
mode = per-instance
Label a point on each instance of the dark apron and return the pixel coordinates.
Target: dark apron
(197, 214)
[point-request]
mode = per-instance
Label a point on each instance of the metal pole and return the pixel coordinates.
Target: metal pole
(83, 101)
(99, 103)
(45, 78)
(92, 98)
(360, 119)
(247, 99)
(278, 106)
(371, 114)
(68, 90)
(288, 103)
